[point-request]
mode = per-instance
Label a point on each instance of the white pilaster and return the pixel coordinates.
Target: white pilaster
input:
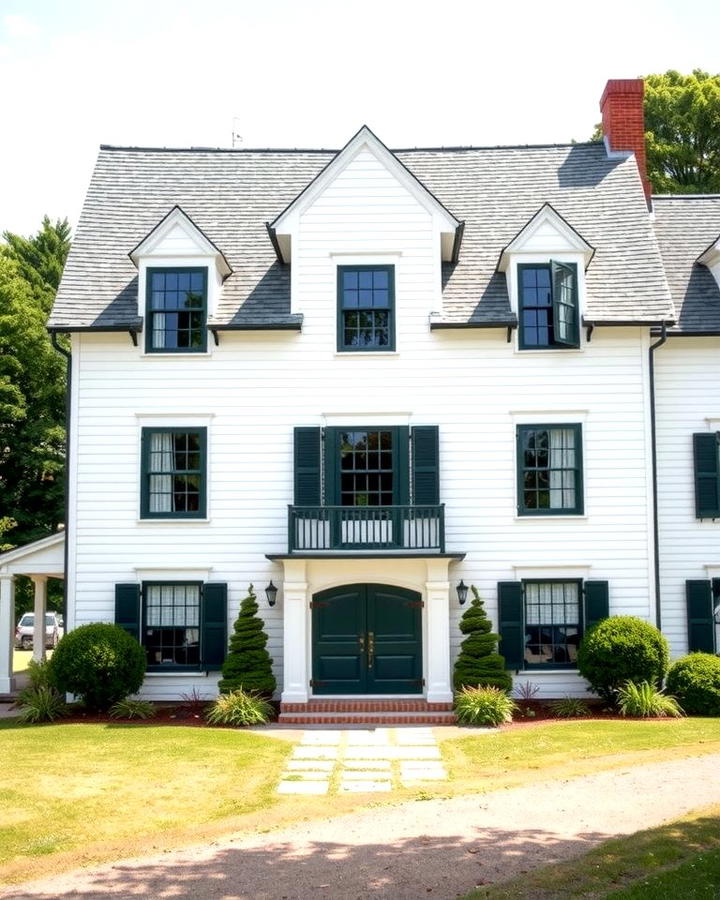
(439, 683)
(296, 672)
(40, 586)
(7, 628)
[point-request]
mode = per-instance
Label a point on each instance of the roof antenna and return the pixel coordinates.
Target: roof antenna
(236, 136)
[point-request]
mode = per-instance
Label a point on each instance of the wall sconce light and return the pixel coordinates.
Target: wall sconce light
(462, 590)
(271, 593)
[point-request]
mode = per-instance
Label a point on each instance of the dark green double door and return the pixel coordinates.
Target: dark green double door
(367, 639)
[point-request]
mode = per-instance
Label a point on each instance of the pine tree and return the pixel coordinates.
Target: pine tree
(478, 663)
(248, 665)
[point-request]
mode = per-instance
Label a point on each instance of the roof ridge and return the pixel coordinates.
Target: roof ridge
(437, 149)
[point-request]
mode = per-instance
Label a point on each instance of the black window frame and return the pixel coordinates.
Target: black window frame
(146, 473)
(579, 508)
(171, 666)
(556, 270)
(150, 313)
(580, 625)
(342, 347)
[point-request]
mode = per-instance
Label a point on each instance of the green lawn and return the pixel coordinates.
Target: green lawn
(679, 861)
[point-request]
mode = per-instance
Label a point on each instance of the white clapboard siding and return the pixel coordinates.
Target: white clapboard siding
(687, 390)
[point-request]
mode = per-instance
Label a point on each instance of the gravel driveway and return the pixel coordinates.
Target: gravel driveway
(440, 848)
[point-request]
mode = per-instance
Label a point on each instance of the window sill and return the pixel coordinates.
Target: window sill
(199, 354)
(173, 521)
(553, 517)
(536, 670)
(188, 673)
(550, 351)
(364, 354)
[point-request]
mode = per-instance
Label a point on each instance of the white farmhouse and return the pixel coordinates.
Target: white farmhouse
(371, 376)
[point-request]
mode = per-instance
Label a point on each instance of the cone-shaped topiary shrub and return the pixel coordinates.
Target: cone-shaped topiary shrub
(478, 662)
(621, 649)
(248, 665)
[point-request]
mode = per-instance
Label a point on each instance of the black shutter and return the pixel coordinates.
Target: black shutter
(213, 623)
(707, 476)
(701, 624)
(425, 465)
(597, 604)
(401, 436)
(510, 622)
(127, 608)
(307, 467)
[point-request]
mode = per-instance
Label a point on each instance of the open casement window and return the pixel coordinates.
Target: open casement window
(176, 310)
(549, 309)
(703, 599)
(366, 308)
(706, 457)
(181, 625)
(550, 477)
(173, 473)
(541, 623)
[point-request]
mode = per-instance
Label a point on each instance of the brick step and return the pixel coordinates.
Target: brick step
(364, 706)
(367, 718)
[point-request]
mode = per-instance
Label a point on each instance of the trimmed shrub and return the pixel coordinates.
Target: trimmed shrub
(41, 704)
(478, 662)
(569, 708)
(240, 708)
(621, 649)
(644, 700)
(695, 681)
(484, 706)
(248, 665)
(100, 663)
(130, 708)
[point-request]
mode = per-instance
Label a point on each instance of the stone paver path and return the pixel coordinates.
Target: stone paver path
(329, 761)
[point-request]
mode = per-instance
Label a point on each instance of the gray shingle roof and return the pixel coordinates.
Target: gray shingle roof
(231, 194)
(685, 227)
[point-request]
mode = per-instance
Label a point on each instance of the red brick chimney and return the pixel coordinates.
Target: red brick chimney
(623, 122)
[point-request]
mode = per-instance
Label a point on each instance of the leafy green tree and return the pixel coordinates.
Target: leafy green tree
(682, 132)
(478, 662)
(32, 391)
(248, 665)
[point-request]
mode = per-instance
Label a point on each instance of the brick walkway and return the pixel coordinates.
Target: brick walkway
(331, 761)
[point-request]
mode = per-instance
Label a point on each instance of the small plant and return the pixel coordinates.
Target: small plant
(569, 708)
(695, 681)
(529, 712)
(41, 704)
(130, 708)
(38, 673)
(193, 703)
(526, 690)
(621, 649)
(644, 701)
(240, 708)
(484, 706)
(248, 665)
(101, 663)
(478, 662)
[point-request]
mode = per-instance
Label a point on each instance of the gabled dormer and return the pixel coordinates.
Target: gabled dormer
(180, 276)
(711, 259)
(545, 267)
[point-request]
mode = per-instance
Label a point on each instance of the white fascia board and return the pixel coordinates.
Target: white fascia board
(47, 554)
(711, 256)
(178, 220)
(286, 222)
(546, 216)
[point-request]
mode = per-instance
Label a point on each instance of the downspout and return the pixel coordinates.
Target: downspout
(653, 444)
(66, 469)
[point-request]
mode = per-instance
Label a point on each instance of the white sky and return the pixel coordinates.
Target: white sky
(307, 73)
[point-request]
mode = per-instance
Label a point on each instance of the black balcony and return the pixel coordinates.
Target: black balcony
(408, 528)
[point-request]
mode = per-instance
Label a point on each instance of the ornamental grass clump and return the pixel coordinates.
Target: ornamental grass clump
(100, 663)
(621, 649)
(484, 706)
(569, 708)
(240, 708)
(478, 662)
(645, 701)
(248, 665)
(131, 708)
(41, 704)
(695, 681)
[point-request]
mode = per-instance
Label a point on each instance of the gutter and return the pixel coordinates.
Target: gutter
(653, 437)
(66, 468)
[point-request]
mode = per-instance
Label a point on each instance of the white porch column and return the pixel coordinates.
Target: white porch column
(295, 633)
(437, 593)
(40, 585)
(7, 632)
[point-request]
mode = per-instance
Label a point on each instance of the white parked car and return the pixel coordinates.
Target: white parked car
(25, 628)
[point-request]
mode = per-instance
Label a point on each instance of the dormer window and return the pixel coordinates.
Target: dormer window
(548, 300)
(176, 313)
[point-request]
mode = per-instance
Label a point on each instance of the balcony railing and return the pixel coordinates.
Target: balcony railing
(366, 528)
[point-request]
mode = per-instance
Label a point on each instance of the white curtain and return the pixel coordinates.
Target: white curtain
(173, 606)
(158, 337)
(562, 468)
(161, 460)
(551, 603)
